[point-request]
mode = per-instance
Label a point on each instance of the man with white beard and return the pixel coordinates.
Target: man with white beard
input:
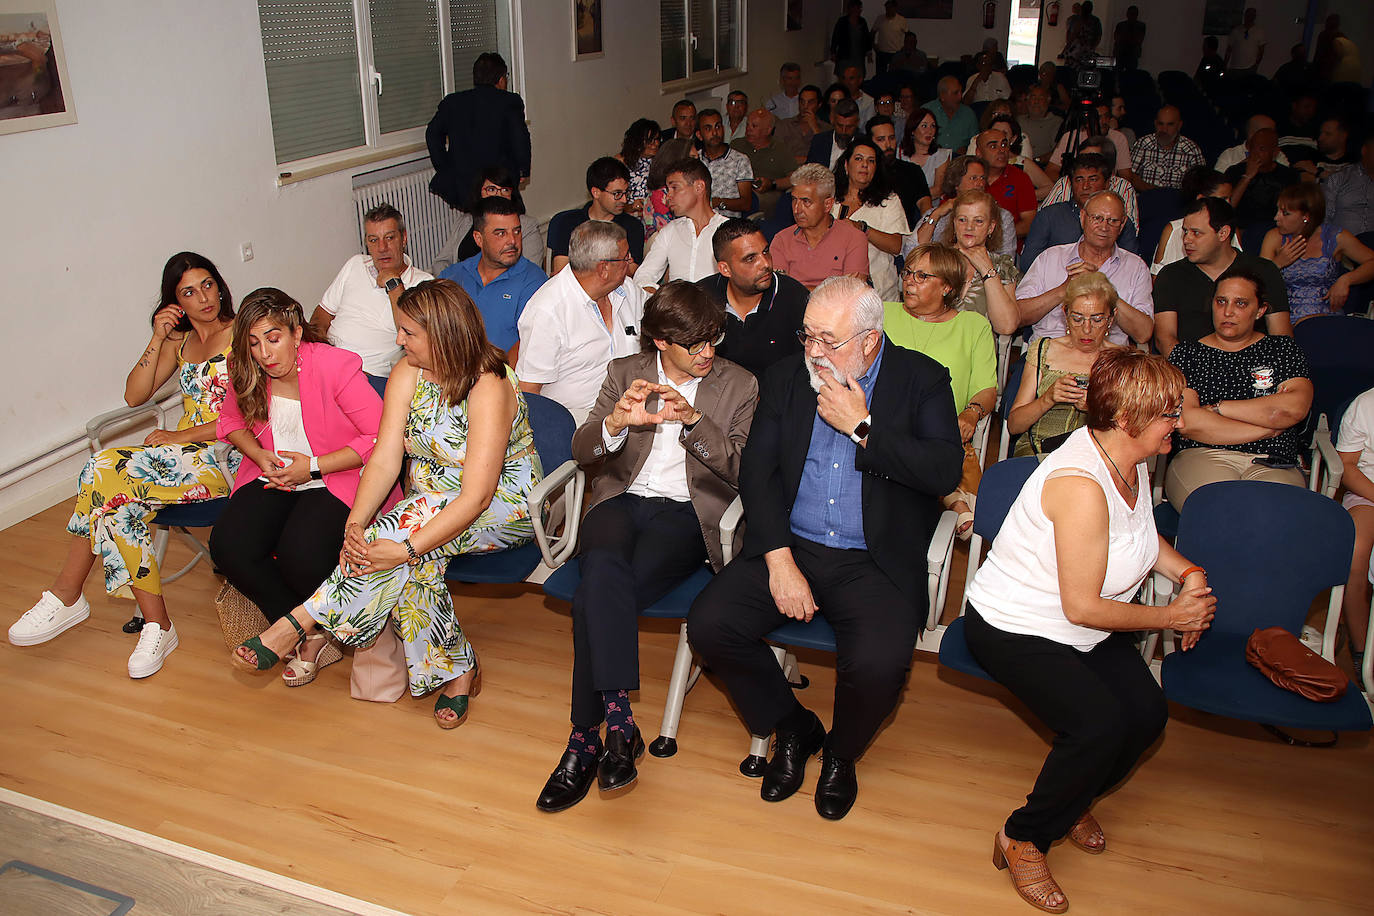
(841, 481)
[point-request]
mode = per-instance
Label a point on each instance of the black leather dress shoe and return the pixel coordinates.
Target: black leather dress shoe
(568, 784)
(617, 769)
(785, 771)
(837, 788)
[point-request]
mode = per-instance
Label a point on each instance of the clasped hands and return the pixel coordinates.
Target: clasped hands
(632, 408)
(285, 470)
(361, 557)
(1192, 611)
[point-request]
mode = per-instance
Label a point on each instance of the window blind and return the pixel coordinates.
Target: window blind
(405, 50)
(310, 51)
(474, 31)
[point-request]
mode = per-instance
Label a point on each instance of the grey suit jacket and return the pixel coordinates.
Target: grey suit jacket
(726, 398)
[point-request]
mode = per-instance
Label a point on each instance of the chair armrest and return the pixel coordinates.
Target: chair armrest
(729, 528)
(1331, 474)
(555, 500)
(166, 397)
(937, 566)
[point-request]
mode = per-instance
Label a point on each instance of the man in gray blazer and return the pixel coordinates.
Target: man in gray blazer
(663, 443)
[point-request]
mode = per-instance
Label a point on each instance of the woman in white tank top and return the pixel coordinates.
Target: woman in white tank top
(1049, 616)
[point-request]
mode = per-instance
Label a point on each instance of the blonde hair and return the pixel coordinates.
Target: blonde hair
(249, 381)
(1091, 285)
(458, 344)
(974, 198)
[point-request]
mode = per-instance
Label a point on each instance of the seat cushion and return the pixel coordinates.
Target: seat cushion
(513, 565)
(814, 635)
(954, 651)
(1215, 677)
(201, 514)
(562, 584)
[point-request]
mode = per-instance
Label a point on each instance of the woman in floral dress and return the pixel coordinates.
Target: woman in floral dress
(455, 409)
(121, 488)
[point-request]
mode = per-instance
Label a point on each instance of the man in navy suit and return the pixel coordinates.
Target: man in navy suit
(828, 147)
(853, 443)
(476, 128)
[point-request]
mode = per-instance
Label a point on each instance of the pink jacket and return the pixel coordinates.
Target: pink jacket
(338, 409)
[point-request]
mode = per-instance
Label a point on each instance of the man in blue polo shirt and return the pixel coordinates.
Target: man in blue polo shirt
(498, 278)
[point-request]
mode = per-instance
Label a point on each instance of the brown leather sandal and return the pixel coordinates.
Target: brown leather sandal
(1087, 835)
(1030, 873)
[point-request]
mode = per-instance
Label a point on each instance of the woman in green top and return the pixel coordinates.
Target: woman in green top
(1054, 386)
(927, 321)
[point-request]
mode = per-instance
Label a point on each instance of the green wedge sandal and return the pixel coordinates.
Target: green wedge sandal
(458, 705)
(266, 659)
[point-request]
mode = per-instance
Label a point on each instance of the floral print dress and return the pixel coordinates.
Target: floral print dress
(415, 598)
(121, 488)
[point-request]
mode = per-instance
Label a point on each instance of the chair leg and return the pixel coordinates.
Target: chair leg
(752, 766)
(684, 675)
(199, 551)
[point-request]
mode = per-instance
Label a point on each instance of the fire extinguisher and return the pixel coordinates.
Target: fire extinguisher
(1052, 13)
(989, 14)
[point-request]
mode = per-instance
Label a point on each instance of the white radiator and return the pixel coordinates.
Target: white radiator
(429, 218)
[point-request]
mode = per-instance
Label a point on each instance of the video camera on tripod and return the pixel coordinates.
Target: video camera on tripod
(1087, 87)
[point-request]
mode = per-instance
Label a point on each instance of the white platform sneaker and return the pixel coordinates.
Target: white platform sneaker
(154, 645)
(48, 618)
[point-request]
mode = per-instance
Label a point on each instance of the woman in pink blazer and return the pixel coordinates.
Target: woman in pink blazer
(305, 418)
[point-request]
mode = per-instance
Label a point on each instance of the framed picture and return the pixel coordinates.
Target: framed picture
(926, 9)
(34, 89)
(587, 37)
(1219, 17)
(792, 12)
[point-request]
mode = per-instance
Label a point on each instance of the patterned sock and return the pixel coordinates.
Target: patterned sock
(586, 743)
(619, 718)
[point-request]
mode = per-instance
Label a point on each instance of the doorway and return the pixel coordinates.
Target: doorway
(1023, 33)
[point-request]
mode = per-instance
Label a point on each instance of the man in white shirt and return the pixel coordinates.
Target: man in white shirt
(1245, 46)
(355, 311)
(987, 84)
(1237, 154)
(852, 78)
(1040, 293)
(784, 104)
(585, 316)
(889, 34)
(663, 448)
(736, 109)
(682, 250)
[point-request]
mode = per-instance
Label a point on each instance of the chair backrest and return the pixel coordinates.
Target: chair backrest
(999, 488)
(553, 430)
(1338, 349)
(1269, 549)
(1013, 385)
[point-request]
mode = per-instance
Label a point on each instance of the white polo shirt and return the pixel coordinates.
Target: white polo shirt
(678, 248)
(566, 347)
(362, 313)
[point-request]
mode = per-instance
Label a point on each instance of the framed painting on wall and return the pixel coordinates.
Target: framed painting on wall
(792, 10)
(34, 89)
(587, 38)
(926, 9)
(1219, 17)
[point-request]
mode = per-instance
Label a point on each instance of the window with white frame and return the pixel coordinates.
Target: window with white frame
(368, 74)
(700, 39)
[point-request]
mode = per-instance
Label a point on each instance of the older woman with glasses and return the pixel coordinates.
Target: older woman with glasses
(928, 321)
(1053, 398)
(966, 173)
(1050, 617)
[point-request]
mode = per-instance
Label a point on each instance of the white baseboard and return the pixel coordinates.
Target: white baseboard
(35, 501)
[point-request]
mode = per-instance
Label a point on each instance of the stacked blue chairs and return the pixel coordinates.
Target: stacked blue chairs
(1218, 530)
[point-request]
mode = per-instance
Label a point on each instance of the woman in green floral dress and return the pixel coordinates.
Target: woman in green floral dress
(453, 407)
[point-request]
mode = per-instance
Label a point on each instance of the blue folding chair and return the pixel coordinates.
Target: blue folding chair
(1220, 529)
(999, 488)
(566, 486)
(553, 427)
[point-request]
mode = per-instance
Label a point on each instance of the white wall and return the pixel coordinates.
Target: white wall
(173, 150)
(951, 39)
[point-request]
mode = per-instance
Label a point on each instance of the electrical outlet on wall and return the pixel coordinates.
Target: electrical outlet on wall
(246, 251)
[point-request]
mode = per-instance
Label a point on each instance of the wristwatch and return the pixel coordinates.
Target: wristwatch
(863, 226)
(989, 275)
(861, 431)
(394, 283)
(315, 473)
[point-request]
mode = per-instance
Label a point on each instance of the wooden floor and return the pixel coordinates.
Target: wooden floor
(376, 802)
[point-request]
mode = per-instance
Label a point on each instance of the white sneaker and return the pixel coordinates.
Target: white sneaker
(154, 645)
(48, 618)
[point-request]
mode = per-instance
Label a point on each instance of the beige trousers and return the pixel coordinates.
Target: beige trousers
(1194, 467)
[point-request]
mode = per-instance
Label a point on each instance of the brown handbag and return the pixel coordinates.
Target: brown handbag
(1282, 657)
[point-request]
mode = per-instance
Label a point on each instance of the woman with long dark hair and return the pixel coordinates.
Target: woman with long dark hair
(121, 488)
(454, 409)
(921, 145)
(637, 151)
(492, 181)
(305, 418)
(864, 195)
